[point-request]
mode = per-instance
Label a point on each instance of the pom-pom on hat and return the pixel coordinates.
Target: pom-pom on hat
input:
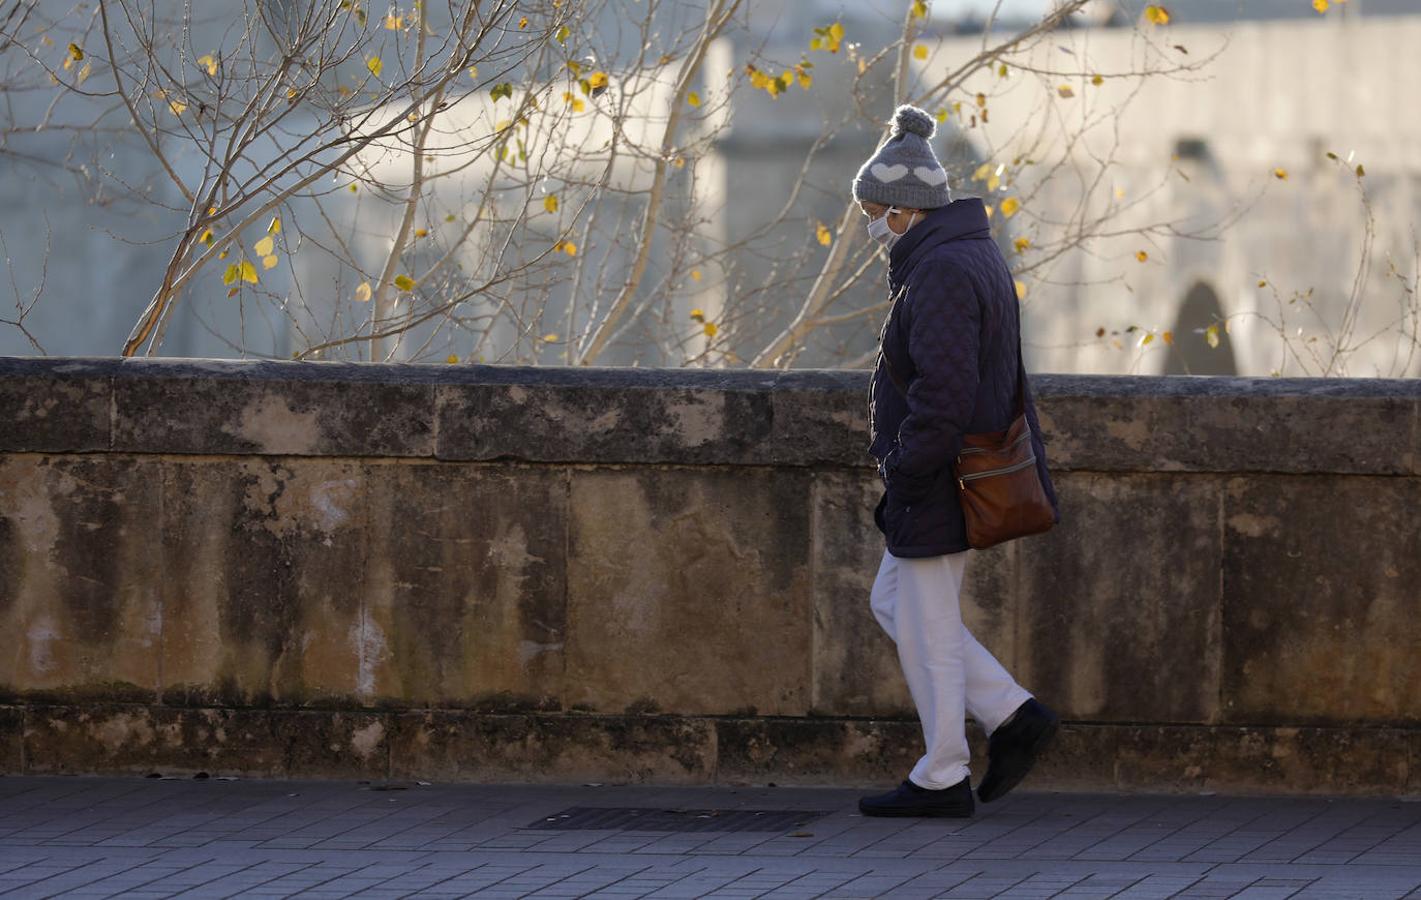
(904, 172)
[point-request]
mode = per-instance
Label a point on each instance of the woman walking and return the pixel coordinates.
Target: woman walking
(949, 366)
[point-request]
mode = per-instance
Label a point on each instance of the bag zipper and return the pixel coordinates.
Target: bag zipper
(1024, 436)
(1005, 470)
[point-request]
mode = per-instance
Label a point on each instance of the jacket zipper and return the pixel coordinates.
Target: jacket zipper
(1024, 436)
(1005, 470)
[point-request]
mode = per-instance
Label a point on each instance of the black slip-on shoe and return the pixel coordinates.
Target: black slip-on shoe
(1014, 746)
(910, 800)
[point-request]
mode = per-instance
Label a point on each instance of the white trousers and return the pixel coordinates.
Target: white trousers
(949, 674)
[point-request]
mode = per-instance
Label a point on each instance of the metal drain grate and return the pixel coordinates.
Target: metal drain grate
(640, 818)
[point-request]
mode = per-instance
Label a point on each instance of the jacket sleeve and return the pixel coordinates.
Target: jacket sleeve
(943, 344)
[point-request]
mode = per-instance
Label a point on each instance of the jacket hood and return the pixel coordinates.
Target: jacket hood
(966, 218)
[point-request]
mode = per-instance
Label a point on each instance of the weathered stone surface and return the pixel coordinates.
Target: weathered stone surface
(1219, 424)
(816, 751)
(1119, 604)
(464, 586)
(1225, 758)
(79, 578)
(264, 568)
(146, 739)
(856, 667)
(1322, 588)
(465, 746)
(601, 423)
(54, 405)
(272, 408)
(12, 740)
(333, 744)
(689, 591)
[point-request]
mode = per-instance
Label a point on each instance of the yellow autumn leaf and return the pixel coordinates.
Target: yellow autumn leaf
(693, 98)
(562, 34)
(269, 262)
(982, 172)
(1142, 256)
(920, 51)
(362, 293)
(375, 65)
(982, 100)
(920, 9)
(550, 337)
(1320, 5)
(940, 115)
(836, 33)
(806, 80)
(1097, 80)
(264, 246)
(1020, 290)
(76, 53)
(522, 23)
(84, 73)
(274, 227)
(230, 274)
(249, 271)
(597, 80)
(206, 237)
(569, 248)
(208, 62)
(1168, 338)
(421, 232)
(698, 314)
(1148, 337)
(1002, 71)
(1065, 92)
(822, 235)
(1022, 244)
(1262, 282)
(394, 22)
(1158, 15)
(1211, 335)
(1009, 206)
(710, 329)
(695, 274)
(994, 181)
(550, 203)
(404, 282)
(1281, 174)
(452, 358)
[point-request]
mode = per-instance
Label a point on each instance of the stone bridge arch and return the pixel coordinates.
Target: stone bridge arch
(1190, 354)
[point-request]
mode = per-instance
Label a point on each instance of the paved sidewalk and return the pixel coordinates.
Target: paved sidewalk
(136, 837)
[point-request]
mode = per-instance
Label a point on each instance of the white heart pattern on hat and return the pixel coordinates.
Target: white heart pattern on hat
(931, 176)
(890, 173)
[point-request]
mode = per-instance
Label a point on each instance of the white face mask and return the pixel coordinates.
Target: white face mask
(878, 229)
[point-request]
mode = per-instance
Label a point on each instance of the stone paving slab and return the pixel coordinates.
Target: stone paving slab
(140, 837)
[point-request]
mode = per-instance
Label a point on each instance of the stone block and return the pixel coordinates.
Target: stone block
(1322, 583)
(689, 591)
(1229, 424)
(468, 746)
(79, 578)
(1223, 758)
(856, 667)
(54, 405)
(12, 740)
(174, 741)
(272, 408)
(629, 417)
(320, 744)
(465, 586)
(817, 751)
(263, 579)
(1119, 604)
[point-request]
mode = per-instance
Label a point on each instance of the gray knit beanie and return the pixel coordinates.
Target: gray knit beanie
(905, 172)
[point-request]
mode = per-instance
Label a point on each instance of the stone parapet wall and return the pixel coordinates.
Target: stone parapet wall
(491, 573)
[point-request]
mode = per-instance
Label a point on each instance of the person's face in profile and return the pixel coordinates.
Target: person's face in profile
(898, 220)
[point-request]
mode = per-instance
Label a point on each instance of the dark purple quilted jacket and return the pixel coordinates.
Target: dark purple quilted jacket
(952, 337)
